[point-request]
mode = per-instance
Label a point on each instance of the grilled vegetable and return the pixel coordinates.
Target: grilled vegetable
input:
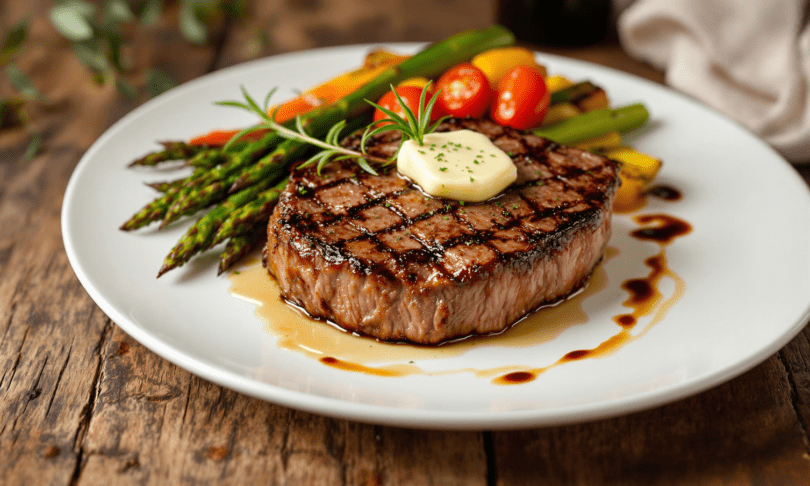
(601, 143)
(636, 165)
(429, 63)
(595, 123)
(557, 82)
(495, 63)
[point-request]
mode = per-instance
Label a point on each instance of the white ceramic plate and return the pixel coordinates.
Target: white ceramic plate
(746, 267)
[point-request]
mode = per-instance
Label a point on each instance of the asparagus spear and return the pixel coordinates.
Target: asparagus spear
(158, 208)
(166, 186)
(177, 193)
(239, 246)
(195, 199)
(595, 123)
(201, 162)
(432, 61)
(201, 233)
(250, 215)
(171, 151)
(429, 63)
(154, 211)
(284, 153)
(209, 158)
(241, 159)
(270, 166)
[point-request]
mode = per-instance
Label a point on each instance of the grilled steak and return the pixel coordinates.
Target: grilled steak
(376, 255)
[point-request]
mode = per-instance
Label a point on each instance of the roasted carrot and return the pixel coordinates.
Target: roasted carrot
(323, 94)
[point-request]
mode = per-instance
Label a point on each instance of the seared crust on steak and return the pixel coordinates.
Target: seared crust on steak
(376, 255)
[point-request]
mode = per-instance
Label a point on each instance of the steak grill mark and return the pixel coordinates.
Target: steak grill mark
(512, 228)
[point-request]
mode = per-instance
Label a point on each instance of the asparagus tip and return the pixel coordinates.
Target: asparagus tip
(168, 264)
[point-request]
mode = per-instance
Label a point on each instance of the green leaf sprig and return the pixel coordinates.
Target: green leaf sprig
(97, 38)
(412, 126)
(11, 46)
(13, 112)
(96, 32)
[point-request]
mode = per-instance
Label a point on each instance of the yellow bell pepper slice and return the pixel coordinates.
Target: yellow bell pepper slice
(637, 172)
(635, 164)
(630, 195)
(418, 81)
(557, 82)
(497, 62)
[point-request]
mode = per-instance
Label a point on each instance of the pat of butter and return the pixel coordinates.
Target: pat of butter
(462, 165)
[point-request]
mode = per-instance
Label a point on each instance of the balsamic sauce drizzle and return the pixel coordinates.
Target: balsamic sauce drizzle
(644, 295)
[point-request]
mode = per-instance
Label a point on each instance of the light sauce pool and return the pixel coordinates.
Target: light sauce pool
(337, 348)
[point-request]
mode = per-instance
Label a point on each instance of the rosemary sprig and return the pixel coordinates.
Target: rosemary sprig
(331, 149)
(412, 126)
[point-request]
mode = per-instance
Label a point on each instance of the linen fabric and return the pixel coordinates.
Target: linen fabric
(748, 59)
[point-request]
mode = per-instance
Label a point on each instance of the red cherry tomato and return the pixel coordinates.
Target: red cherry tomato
(410, 96)
(522, 99)
(463, 91)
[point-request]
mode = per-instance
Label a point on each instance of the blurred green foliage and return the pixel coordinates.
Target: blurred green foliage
(96, 32)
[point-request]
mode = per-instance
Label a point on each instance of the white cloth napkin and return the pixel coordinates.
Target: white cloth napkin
(748, 59)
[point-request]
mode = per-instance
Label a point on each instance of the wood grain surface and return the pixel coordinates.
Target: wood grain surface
(81, 403)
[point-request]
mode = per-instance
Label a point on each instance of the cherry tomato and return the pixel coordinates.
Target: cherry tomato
(410, 96)
(522, 99)
(463, 91)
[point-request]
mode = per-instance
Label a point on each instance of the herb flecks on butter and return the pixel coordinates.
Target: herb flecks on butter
(469, 168)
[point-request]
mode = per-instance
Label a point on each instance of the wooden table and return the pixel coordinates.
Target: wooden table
(83, 403)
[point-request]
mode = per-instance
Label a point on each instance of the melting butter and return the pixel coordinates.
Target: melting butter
(463, 165)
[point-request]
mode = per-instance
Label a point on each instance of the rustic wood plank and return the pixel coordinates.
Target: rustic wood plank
(743, 432)
(82, 403)
(146, 430)
(133, 417)
(51, 331)
(48, 368)
(153, 423)
(796, 360)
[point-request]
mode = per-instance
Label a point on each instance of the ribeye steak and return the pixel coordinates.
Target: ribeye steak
(377, 256)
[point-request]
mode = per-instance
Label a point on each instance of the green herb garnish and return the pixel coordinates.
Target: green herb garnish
(331, 149)
(412, 127)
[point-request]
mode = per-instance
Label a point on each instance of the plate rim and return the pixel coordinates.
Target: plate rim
(397, 416)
